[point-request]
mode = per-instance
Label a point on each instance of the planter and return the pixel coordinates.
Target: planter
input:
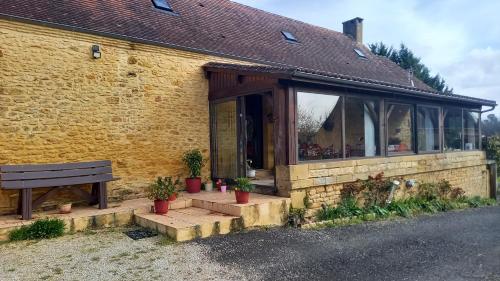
(161, 207)
(251, 173)
(193, 185)
(65, 208)
(223, 188)
(242, 197)
(172, 197)
(209, 186)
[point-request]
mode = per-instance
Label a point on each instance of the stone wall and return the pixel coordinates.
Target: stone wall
(323, 181)
(140, 106)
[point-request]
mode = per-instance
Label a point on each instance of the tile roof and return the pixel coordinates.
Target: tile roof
(219, 27)
(291, 73)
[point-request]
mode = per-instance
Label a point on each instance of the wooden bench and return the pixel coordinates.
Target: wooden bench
(55, 176)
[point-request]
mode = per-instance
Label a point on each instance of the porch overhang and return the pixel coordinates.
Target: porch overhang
(301, 75)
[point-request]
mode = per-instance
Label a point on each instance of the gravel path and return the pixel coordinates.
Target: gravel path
(462, 245)
(108, 255)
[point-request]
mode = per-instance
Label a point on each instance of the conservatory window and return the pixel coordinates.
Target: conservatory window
(428, 129)
(452, 129)
(399, 128)
(361, 128)
(319, 126)
(471, 130)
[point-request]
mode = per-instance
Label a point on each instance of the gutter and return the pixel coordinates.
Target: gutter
(308, 77)
(491, 109)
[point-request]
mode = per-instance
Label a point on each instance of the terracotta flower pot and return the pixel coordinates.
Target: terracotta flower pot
(161, 207)
(65, 208)
(172, 197)
(193, 185)
(242, 197)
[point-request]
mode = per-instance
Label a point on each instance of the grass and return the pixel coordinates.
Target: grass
(40, 229)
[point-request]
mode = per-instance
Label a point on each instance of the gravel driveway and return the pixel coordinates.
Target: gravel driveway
(108, 255)
(463, 245)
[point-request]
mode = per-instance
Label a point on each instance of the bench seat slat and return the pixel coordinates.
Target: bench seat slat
(55, 174)
(53, 167)
(56, 181)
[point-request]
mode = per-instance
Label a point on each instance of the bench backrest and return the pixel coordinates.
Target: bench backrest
(50, 175)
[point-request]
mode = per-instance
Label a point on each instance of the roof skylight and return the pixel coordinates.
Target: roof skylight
(289, 36)
(162, 5)
(360, 53)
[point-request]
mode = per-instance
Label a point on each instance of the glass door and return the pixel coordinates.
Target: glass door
(228, 137)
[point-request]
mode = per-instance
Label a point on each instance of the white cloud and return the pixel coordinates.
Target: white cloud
(460, 39)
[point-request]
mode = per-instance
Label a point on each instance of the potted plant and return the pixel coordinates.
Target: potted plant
(64, 207)
(209, 185)
(172, 187)
(160, 191)
(194, 161)
(242, 190)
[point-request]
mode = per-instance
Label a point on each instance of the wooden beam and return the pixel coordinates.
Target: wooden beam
(279, 125)
(291, 125)
(252, 87)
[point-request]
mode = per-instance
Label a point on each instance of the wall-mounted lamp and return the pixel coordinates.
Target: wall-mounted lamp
(96, 52)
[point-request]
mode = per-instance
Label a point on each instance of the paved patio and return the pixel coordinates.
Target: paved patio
(190, 216)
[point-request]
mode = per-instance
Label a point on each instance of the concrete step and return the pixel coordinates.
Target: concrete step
(264, 174)
(262, 210)
(190, 223)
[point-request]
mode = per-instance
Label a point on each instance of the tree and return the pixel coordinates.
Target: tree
(491, 126)
(405, 58)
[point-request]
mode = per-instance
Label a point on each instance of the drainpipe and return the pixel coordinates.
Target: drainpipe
(492, 167)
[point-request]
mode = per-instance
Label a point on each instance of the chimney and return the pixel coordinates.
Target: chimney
(354, 29)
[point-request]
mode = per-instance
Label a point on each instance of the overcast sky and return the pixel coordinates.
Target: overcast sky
(459, 39)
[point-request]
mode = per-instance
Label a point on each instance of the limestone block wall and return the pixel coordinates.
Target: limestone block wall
(323, 181)
(140, 106)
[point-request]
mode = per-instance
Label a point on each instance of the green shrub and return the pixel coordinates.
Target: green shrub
(163, 188)
(244, 184)
(194, 161)
(40, 229)
(493, 149)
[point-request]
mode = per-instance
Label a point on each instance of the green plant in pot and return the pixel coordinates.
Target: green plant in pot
(161, 191)
(173, 187)
(242, 190)
(194, 161)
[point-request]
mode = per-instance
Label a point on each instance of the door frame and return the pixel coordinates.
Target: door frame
(240, 135)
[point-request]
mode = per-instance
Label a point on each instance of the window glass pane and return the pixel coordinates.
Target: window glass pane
(452, 129)
(471, 130)
(428, 129)
(319, 126)
(399, 128)
(361, 128)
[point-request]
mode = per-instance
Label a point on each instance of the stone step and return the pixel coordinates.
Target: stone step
(262, 210)
(180, 203)
(264, 174)
(190, 223)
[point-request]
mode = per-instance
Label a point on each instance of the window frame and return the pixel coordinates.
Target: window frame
(412, 106)
(383, 104)
(480, 141)
(342, 98)
(440, 128)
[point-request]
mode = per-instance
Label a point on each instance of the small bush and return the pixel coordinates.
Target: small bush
(493, 149)
(40, 229)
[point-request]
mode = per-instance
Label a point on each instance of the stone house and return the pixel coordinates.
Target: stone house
(140, 82)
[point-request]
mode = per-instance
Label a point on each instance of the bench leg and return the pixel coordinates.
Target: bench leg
(26, 209)
(94, 194)
(103, 195)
